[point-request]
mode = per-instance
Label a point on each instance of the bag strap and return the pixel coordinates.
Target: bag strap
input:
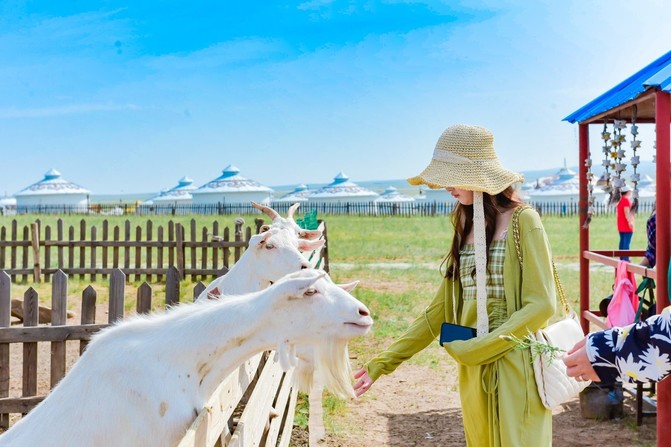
(516, 236)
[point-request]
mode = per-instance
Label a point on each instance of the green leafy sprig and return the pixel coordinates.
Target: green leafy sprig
(537, 348)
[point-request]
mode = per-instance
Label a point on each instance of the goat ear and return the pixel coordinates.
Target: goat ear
(259, 239)
(349, 286)
(214, 294)
(305, 245)
(295, 286)
(310, 234)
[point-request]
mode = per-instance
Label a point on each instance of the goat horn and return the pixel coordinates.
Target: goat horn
(268, 211)
(292, 210)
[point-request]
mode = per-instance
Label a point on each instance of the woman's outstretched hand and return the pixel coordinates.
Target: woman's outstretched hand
(578, 364)
(363, 383)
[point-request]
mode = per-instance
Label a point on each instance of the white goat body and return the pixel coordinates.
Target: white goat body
(142, 381)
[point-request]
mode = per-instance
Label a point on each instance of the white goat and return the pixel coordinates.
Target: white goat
(288, 224)
(143, 381)
(269, 256)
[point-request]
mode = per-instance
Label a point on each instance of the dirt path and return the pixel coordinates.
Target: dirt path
(419, 406)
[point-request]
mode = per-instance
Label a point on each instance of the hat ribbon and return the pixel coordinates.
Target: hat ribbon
(451, 157)
(480, 239)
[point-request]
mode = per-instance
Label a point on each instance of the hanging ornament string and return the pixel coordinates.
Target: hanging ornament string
(589, 176)
(635, 160)
(616, 155)
(606, 148)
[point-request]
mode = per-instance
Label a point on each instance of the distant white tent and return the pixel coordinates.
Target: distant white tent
(231, 188)
(52, 191)
(391, 194)
(299, 194)
(563, 188)
(342, 190)
(177, 195)
(7, 205)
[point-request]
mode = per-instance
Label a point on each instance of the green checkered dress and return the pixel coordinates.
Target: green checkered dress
(496, 299)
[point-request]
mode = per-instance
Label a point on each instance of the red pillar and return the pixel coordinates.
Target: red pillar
(662, 120)
(583, 151)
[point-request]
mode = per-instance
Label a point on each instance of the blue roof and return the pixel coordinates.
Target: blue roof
(655, 75)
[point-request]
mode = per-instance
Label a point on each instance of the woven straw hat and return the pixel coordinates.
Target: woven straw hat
(464, 158)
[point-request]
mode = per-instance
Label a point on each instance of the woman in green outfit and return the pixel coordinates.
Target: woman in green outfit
(484, 288)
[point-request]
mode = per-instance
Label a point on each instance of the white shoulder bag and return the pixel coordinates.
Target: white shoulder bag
(554, 385)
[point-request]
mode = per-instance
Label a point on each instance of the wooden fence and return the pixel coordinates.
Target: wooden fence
(268, 394)
(36, 250)
(417, 208)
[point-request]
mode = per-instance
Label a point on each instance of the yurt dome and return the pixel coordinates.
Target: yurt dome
(180, 194)
(231, 187)
(342, 190)
(299, 194)
(391, 194)
(52, 191)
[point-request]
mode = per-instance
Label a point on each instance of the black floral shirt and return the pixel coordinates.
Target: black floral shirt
(636, 353)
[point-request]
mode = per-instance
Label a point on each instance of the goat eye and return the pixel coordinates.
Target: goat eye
(270, 246)
(311, 291)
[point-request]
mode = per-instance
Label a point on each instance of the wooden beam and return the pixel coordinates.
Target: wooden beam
(617, 112)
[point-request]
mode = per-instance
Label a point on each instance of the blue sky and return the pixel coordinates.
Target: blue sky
(129, 96)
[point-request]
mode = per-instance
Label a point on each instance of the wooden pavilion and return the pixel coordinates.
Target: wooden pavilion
(641, 98)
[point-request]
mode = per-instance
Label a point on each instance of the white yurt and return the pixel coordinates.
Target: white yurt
(231, 188)
(564, 188)
(392, 195)
(299, 194)
(342, 190)
(52, 192)
(7, 205)
(177, 195)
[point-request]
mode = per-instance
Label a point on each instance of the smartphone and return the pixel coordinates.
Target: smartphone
(450, 332)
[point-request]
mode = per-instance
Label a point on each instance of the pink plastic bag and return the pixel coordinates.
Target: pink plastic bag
(623, 305)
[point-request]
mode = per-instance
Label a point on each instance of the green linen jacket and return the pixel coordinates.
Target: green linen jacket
(530, 297)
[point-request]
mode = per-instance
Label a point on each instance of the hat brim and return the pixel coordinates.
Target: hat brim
(480, 176)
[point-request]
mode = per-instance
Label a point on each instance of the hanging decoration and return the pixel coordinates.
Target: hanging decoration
(616, 157)
(635, 161)
(590, 189)
(606, 162)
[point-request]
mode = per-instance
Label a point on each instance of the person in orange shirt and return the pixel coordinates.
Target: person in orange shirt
(625, 220)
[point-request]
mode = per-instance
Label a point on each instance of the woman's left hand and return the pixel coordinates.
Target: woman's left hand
(578, 364)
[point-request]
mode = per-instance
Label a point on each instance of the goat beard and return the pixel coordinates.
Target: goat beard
(333, 368)
(329, 361)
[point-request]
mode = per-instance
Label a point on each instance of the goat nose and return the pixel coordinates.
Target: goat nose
(363, 312)
(305, 265)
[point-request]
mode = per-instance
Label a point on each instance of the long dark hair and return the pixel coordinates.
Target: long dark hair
(462, 219)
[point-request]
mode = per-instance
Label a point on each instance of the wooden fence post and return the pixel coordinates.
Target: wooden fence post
(35, 242)
(179, 247)
(59, 304)
(5, 320)
(172, 286)
(198, 289)
(144, 293)
(88, 312)
(116, 298)
(30, 318)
